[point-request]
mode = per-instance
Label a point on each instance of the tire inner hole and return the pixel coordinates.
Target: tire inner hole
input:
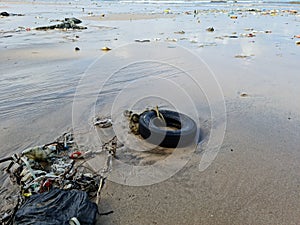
(168, 124)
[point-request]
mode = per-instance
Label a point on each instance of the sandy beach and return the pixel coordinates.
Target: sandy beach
(248, 63)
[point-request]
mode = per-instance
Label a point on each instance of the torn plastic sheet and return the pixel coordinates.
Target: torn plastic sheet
(57, 207)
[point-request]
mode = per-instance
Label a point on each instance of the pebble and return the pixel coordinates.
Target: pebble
(210, 29)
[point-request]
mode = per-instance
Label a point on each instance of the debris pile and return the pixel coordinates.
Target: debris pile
(66, 24)
(55, 166)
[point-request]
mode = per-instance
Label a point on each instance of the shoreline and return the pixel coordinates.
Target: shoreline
(128, 16)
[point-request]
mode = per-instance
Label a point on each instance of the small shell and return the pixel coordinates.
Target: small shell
(244, 94)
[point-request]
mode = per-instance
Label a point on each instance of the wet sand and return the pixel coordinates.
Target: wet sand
(255, 176)
(128, 16)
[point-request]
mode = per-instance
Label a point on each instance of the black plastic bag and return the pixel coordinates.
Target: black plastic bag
(57, 207)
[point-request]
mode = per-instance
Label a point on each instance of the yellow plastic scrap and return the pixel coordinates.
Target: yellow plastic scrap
(167, 11)
(27, 194)
(273, 12)
(37, 153)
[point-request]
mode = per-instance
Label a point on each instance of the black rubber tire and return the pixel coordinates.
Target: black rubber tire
(184, 135)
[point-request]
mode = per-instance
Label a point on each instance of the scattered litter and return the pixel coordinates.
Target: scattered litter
(76, 155)
(5, 14)
(298, 43)
(142, 41)
(297, 36)
(233, 17)
(210, 29)
(66, 24)
(171, 39)
(219, 38)
(103, 123)
(179, 32)
(105, 49)
(207, 44)
(251, 35)
(248, 35)
(268, 31)
(293, 11)
(243, 56)
(77, 49)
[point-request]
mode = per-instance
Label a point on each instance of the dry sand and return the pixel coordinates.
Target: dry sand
(255, 177)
